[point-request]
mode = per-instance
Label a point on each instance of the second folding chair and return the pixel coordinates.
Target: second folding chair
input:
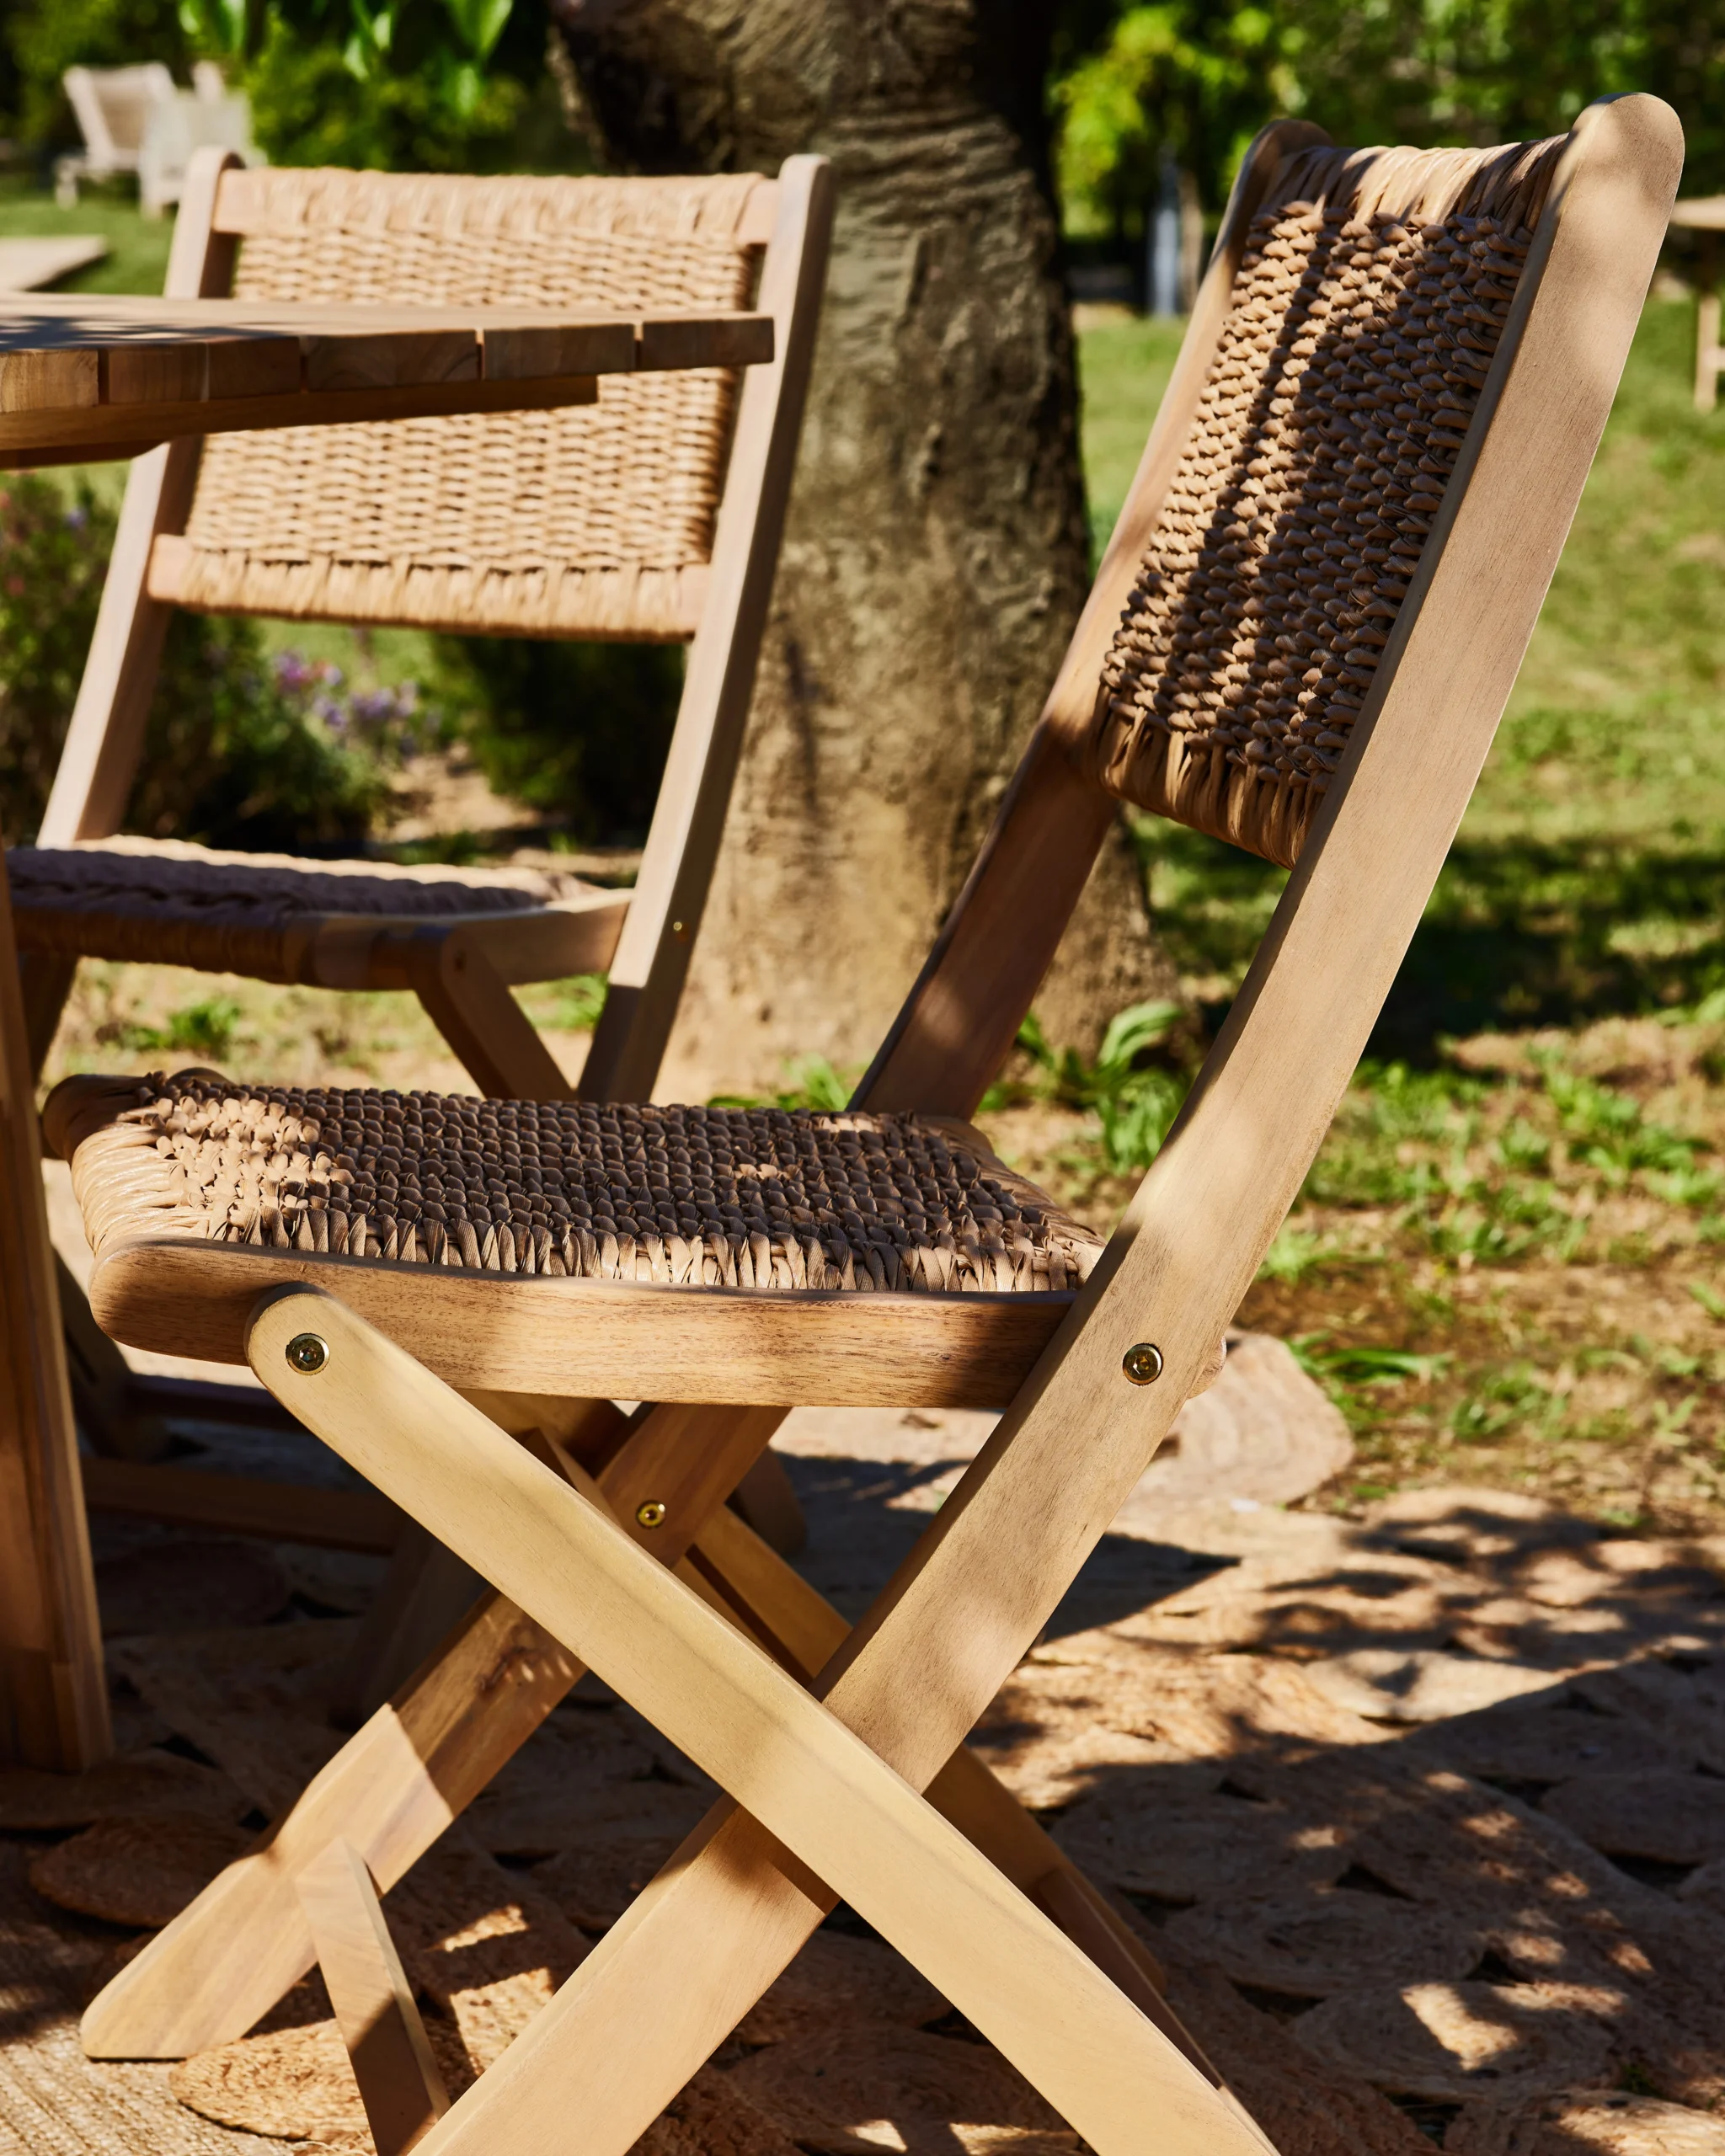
(652, 515)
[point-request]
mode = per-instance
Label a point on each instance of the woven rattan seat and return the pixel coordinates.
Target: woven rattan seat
(162, 903)
(682, 1196)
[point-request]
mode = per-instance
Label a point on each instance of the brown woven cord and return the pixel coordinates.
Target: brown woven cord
(162, 902)
(682, 1196)
(1371, 294)
(585, 521)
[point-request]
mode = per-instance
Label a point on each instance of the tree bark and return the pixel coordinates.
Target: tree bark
(934, 561)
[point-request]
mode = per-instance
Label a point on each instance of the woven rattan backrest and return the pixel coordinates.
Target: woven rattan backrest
(1372, 291)
(596, 521)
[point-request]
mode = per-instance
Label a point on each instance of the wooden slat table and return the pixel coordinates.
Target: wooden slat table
(83, 378)
(1706, 214)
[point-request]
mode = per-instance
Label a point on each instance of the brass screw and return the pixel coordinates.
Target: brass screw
(650, 1515)
(308, 1353)
(1143, 1363)
(679, 928)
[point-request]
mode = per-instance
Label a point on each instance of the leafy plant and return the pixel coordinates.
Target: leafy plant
(1365, 1365)
(1608, 1130)
(1134, 1105)
(813, 1084)
(236, 751)
(207, 1027)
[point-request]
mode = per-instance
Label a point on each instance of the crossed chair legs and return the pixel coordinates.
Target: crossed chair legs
(822, 1798)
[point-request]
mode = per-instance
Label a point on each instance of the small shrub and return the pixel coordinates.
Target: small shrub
(206, 1028)
(238, 752)
(1134, 1104)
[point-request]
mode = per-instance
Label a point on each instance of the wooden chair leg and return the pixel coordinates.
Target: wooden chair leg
(833, 1803)
(53, 1692)
(765, 1500)
(45, 982)
(416, 1765)
(400, 2084)
(426, 1592)
(472, 1007)
(108, 1413)
(805, 1631)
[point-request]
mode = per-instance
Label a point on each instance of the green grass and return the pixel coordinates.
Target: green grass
(1123, 369)
(136, 260)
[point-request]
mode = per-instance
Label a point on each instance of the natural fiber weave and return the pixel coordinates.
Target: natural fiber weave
(680, 1196)
(586, 521)
(1370, 298)
(160, 902)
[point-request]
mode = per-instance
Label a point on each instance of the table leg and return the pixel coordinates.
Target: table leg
(53, 1696)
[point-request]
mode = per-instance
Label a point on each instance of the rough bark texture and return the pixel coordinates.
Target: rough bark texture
(934, 561)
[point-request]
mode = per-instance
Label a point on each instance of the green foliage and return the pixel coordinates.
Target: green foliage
(45, 37)
(812, 1083)
(414, 101)
(1608, 1131)
(208, 1028)
(1202, 79)
(580, 999)
(579, 731)
(1194, 76)
(405, 85)
(238, 752)
(1134, 1102)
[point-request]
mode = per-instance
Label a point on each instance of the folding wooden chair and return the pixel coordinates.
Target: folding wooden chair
(649, 516)
(1301, 638)
(113, 107)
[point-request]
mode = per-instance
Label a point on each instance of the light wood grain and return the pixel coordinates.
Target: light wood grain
(399, 2081)
(117, 431)
(651, 959)
(53, 1692)
(708, 1937)
(419, 1761)
(105, 738)
(812, 1783)
(599, 1339)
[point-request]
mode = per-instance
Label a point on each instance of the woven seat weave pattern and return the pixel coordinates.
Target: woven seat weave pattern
(580, 522)
(1371, 295)
(678, 1197)
(165, 903)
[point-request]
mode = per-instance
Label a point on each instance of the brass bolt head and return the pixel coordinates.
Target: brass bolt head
(308, 1353)
(1143, 1363)
(651, 1513)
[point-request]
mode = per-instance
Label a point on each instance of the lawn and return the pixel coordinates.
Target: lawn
(1508, 1264)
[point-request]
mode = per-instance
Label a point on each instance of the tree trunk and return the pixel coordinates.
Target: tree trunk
(934, 561)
